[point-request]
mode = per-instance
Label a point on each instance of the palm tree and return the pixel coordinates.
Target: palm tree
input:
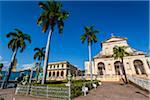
(51, 16)
(1, 66)
(18, 41)
(89, 35)
(39, 55)
(119, 53)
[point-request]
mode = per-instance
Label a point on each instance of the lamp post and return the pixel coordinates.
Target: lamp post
(69, 84)
(31, 75)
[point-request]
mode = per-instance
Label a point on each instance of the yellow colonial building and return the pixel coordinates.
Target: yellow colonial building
(60, 70)
(106, 68)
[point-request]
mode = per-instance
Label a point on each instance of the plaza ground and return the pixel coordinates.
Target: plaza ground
(116, 91)
(107, 91)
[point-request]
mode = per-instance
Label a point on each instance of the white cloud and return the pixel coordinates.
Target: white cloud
(27, 66)
(1, 58)
(6, 64)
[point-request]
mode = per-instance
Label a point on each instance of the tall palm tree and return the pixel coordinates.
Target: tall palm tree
(89, 35)
(119, 53)
(39, 55)
(1, 66)
(18, 41)
(51, 16)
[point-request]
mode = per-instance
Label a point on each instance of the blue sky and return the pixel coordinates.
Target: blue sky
(125, 19)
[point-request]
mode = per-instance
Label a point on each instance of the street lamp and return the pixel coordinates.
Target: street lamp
(69, 84)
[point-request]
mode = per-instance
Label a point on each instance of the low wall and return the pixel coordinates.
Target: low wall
(144, 83)
(105, 78)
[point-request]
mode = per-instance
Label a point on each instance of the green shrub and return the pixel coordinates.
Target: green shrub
(76, 88)
(1, 98)
(76, 85)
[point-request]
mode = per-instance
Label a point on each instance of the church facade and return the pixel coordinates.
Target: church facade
(106, 68)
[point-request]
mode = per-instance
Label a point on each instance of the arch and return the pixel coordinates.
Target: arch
(49, 74)
(62, 73)
(57, 73)
(118, 68)
(53, 74)
(139, 67)
(101, 68)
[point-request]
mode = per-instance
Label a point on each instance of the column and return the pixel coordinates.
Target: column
(131, 64)
(65, 73)
(113, 68)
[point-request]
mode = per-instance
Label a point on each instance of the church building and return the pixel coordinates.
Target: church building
(106, 68)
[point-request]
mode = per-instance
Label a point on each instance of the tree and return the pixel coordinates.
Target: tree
(89, 35)
(1, 66)
(18, 41)
(119, 53)
(51, 16)
(39, 55)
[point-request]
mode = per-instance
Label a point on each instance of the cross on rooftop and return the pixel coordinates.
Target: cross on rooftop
(112, 34)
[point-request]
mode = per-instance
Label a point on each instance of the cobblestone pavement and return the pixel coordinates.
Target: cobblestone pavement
(116, 91)
(107, 91)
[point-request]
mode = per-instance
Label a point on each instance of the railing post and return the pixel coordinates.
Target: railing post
(28, 89)
(16, 90)
(47, 91)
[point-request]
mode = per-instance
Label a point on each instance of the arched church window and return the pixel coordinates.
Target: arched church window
(101, 68)
(139, 67)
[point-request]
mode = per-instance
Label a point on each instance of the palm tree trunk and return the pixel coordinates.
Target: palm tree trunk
(90, 61)
(38, 69)
(9, 69)
(126, 80)
(46, 57)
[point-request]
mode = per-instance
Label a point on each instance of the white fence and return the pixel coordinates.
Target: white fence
(22, 89)
(144, 83)
(44, 91)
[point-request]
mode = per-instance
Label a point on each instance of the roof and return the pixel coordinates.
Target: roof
(114, 39)
(58, 62)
